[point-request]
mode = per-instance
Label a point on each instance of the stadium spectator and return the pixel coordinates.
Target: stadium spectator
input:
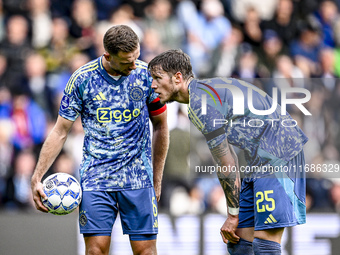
(305, 8)
(5, 103)
(336, 30)
(105, 8)
(82, 27)
(308, 45)
(61, 47)
(283, 22)
(205, 31)
(160, 17)
(61, 8)
(41, 19)
(2, 22)
(240, 9)
(327, 71)
(29, 122)
(225, 57)
(3, 67)
(151, 45)
(252, 32)
(101, 28)
(247, 67)
(18, 193)
(15, 7)
(334, 103)
(286, 74)
(269, 51)
(317, 126)
(327, 14)
(15, 47)
(36, 80)
(6, 154)
(124, 15)
(138, 7)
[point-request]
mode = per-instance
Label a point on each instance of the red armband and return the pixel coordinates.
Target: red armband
(156, 107)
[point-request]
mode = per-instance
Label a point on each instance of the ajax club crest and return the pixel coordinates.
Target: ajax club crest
(136, 94)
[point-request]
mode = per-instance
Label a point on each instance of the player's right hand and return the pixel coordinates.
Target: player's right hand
(229, 228)
(38, 193)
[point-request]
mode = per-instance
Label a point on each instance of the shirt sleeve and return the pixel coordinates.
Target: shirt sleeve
(71, 103)
(212, 124)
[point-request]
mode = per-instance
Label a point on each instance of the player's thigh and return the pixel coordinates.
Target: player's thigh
(97, 245)
(138, 211)
(146, 247)
(97, 213)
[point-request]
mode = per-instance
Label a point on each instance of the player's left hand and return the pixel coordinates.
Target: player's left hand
(228, 229)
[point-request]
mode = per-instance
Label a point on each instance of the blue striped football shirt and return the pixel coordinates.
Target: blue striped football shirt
(115, 118)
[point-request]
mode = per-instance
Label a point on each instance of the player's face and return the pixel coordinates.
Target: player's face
(123, 63)
(163, 84)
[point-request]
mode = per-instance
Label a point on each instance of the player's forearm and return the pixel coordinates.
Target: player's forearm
(50, 150)
(160, 145)
(231, 186)
(234, 155)
(228, 175)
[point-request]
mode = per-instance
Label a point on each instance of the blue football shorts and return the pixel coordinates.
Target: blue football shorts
(137, 208)
(276, 200)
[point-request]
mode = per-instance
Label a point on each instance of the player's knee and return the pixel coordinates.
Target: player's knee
(97, 245)
(146, 247)
(242, 247)
(95, 250)
(145, 251)
(266, 247)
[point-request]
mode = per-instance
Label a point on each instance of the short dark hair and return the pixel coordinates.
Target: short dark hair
(120, 38)
(173, 61)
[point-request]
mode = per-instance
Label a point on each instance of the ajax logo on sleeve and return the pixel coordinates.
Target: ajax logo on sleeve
(65, 102)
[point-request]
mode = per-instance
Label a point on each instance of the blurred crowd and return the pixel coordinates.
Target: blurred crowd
(277, 43)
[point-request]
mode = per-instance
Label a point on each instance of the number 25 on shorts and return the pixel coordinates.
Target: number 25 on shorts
(264, 196)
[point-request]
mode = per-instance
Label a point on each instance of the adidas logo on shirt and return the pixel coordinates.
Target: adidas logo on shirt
(99, 97)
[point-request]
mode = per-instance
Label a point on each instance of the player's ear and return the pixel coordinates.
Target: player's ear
(107, 56)
(178, 77)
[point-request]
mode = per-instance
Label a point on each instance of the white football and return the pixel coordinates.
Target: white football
(63, 192)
